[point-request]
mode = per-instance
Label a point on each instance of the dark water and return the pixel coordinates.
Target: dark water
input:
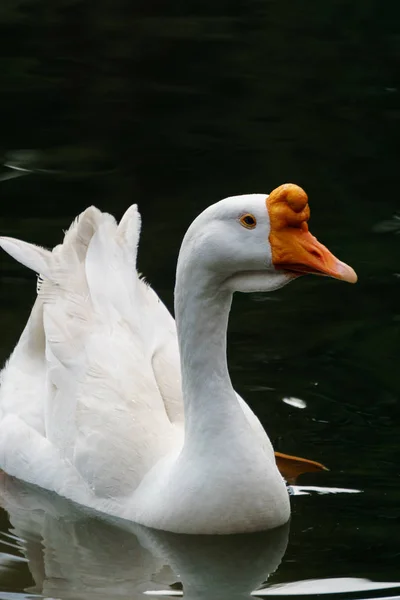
(174, 106)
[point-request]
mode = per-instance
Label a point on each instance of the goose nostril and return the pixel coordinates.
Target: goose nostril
(316, 253)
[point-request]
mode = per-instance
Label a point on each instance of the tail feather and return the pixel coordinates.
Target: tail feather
(128, 234)
(34, 257)
(81, 231)
(110, 278)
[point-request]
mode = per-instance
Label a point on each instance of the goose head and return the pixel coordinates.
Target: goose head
(260, 242)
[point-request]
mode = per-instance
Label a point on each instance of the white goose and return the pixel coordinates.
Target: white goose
(92, 403)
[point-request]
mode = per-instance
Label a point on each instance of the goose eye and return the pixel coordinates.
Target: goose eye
(248, 221)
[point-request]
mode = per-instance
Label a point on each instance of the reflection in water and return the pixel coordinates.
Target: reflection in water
(341, 585)
(72, 553)
(304, 490)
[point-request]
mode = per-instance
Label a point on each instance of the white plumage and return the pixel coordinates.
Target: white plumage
(80, 385)
(91, 400)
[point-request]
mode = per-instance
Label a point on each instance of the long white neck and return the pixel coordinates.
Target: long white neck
(202, 312)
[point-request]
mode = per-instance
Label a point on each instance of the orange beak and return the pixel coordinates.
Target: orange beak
(294, 249)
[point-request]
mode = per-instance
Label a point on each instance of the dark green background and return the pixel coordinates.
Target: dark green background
(176, 105)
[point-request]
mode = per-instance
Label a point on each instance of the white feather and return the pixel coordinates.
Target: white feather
(91, 398)
(33, 257)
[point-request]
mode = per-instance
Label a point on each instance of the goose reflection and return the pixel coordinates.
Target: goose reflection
(74, 553)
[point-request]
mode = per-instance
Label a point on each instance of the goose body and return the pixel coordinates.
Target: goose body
(93, 405)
